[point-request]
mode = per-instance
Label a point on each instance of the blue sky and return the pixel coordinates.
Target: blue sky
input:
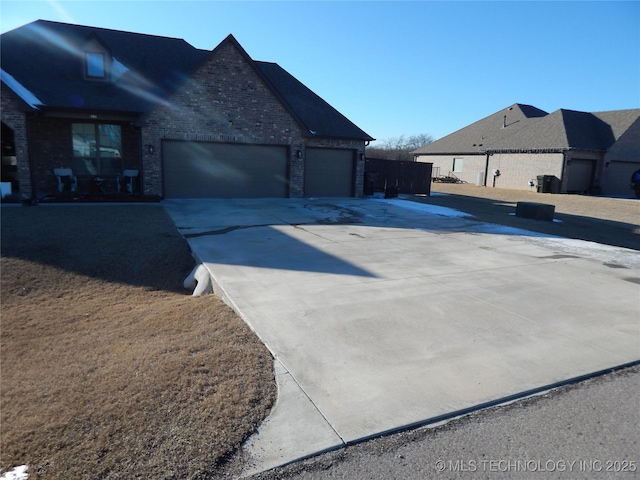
(404, 68)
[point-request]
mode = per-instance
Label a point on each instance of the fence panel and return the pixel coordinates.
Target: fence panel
(407, 177)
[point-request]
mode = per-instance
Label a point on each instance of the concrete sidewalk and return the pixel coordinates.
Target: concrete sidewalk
(383, 314)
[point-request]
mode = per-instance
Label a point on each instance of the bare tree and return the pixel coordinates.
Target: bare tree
(399, 148)
(419, 141)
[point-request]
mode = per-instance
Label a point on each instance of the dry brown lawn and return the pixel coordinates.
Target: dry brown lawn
(604, 220)
(109, 369)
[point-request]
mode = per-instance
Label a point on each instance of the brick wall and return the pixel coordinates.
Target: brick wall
(517, 169)
(51, 147)
(13, 115)
(227, 101)
(471, 165)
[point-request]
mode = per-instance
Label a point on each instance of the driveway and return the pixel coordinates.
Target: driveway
(384, 314)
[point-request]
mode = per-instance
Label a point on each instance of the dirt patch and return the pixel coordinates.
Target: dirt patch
(604, 220)
(109, 368)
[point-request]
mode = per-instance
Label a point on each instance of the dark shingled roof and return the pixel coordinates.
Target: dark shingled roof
(626, 130)
(488, 131)
(531, 129)
(318, 117)
(46, 59)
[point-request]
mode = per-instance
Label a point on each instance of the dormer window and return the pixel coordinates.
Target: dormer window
(97, 59)
(95, 65)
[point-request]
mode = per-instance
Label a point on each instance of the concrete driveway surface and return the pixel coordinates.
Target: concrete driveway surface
(384, 314)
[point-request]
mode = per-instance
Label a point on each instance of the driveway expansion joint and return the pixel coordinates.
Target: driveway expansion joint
(222, 231)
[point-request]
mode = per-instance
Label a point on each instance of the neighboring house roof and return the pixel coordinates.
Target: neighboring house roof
(627, 146)
(619, 120)
(42, 62)
(518, 129)
(477, 136)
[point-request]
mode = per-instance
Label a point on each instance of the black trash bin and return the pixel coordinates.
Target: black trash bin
(545, 183)
(370, 182)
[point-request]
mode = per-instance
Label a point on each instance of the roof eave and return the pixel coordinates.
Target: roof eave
(307, 133)
(24, 94)
(457, 152)
(89, 113)
(526, 150)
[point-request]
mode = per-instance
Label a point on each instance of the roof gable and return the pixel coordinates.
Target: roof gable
(627, 145)
(314, 115)
(586, 131)
(93, 43)
(317, 117)
(619, 120)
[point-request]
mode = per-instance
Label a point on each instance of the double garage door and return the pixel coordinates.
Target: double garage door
(221, 170)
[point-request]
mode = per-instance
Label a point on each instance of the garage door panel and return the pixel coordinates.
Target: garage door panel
(217, 170)
(619, 178)
(328, 173)
(580, 175)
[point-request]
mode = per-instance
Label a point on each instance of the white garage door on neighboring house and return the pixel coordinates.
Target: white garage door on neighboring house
(223, 170)
(328, 172)
(580, 173)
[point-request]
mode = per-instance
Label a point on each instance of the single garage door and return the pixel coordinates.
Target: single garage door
(580, 173)
(618, 179)
(328, 173)
(222, 170)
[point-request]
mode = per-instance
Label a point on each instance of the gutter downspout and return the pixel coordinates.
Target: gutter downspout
(563, 180)
(486, 168)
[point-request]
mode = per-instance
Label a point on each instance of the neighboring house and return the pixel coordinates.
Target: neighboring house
(577, 152)
(193, 123)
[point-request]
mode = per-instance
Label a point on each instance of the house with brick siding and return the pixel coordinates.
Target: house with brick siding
(171, 120)
(521, 146)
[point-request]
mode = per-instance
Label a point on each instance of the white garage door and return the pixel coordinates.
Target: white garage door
(328, 172)
(222, 170)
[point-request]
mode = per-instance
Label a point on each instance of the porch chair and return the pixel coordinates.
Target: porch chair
(126, 180)
(67, 181)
